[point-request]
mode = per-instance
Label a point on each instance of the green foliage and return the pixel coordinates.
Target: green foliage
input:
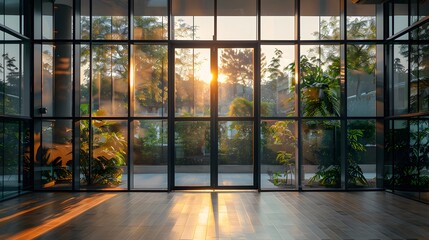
(149, 147)
(281, 134)
(193, 137)
(409, 148)
(240, 107)
(108, 153)
(237, 65)
(327, 176)
(354, 171)
(321, 88)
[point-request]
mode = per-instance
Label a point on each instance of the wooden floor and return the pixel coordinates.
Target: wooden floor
(214, 215)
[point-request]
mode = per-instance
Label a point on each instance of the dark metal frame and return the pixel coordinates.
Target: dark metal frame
(214, 118)
(256, 119)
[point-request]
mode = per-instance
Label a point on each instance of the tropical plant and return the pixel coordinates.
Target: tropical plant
(104, 167)
(409, 148)
(281, 134)
(320, 88)
(354, 171)
(330, 174)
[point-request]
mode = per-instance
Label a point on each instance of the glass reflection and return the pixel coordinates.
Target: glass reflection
(57, 80)
(54, 154)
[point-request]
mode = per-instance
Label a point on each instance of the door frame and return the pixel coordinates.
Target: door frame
(214, 118)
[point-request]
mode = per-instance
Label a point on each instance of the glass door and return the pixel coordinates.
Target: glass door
(213, 118)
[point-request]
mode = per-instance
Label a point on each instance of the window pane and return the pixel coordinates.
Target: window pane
(106, 168)
(192, 158)
(236, 20)
(57, 90)
(277, 81)
(235, 153)
(361, 80)
(400, 79)
(12, 14)
(361, 21)
(235, 82)
(400, 18)
(150, 20)
(150, 156)
(419, 75)
(150, 80)
(321, 154)
(110, 19)
(15, 100)
(47, 78)
(84, 75)
(279, 154)
(320, 80)
(277, 20)
(361, 154)
(109, 80)
(192, 82)
(10, 159)
(63, 20)
(193, 19)
(85, 22)
(320, 19)
(47, 20)
(54, 154)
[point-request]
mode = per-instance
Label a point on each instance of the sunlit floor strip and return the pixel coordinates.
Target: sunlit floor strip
(50, 224)
(3, 219)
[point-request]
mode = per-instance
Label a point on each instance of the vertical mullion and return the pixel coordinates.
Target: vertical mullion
(298, 92)
(171, 147)
(90, 135)
(215, 21)
(343, 95)
(257, 119)
(214, 135)
(130, 94)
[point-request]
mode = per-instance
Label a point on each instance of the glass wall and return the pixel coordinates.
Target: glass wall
(406, 165)
(15, 139)
(268, 94)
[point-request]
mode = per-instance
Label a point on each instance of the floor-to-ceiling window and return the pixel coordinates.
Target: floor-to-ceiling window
(15, 143)
(407, 143)
(252, 94)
